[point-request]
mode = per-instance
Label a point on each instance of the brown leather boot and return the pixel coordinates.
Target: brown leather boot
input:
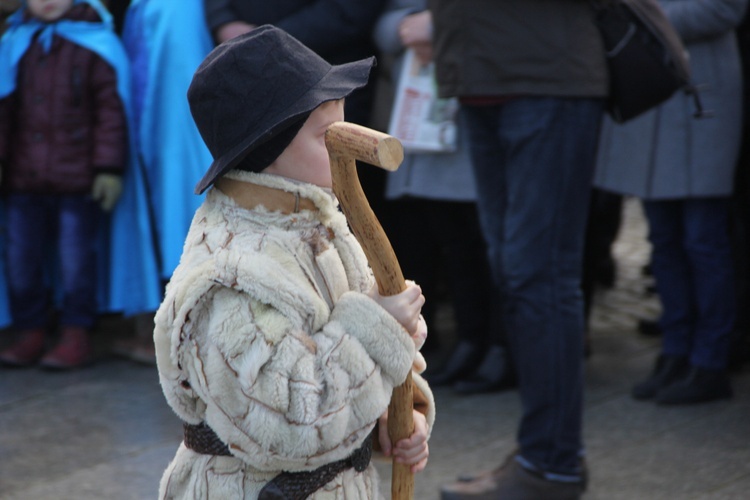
(27, 350)
(73, 350)
(512, 481)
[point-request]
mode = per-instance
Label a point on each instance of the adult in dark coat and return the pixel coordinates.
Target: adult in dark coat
(435, 196)
(531, 77)
(337, 30)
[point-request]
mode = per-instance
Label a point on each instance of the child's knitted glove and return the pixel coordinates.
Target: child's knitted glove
(107, 189)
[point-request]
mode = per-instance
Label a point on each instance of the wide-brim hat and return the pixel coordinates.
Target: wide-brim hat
(254, 86)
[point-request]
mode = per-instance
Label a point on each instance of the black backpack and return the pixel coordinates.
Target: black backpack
(646, 58)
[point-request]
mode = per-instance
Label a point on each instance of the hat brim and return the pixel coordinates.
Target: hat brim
(340, 81)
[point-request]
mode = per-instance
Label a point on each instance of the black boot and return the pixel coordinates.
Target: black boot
(700, 386)
(668, 370)
(494, 374)
(462, 361)
(649, 327)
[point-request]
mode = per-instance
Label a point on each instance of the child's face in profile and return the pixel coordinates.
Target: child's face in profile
(49, 10)
(306, 157)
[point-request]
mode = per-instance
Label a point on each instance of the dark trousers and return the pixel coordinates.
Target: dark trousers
(51, 246)
(534, 160)
(692, 262)
(440, 243)
(605, 212)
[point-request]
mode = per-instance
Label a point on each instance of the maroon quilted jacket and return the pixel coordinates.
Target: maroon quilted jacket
(65, 121)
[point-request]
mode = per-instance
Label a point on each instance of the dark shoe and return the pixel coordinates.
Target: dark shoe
(605, 273)
(700, 386)
(739, 350)
(668, 370)
(649, 327)
(461, 363)
(463, 478)
(494, 374)
(73, 350)
(27, 350)
(511, 481)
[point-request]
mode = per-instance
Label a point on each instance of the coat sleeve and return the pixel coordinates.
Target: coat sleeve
(284, 398)
(385, 33)
(219, 12)
(696, 20)
(327, 25)
(110, 130)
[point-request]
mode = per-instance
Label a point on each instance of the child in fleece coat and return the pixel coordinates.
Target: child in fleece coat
(273, 345)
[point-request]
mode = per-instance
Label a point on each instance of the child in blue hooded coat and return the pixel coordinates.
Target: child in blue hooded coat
(64, 147)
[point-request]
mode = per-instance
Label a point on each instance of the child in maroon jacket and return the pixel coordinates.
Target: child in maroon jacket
(63, 147)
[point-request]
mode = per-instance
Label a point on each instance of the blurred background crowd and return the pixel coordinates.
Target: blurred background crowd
(691, 175)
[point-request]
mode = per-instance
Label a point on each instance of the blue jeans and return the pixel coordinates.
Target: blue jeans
(692, 263)
(533, 160)
(40, 229)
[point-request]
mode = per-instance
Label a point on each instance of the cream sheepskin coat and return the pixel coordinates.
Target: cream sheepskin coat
(266, 334)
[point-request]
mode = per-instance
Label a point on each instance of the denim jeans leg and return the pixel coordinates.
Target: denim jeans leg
(672, 272)
(78, 219)
(693, 266)
(709, 250)
(534, 160)
(28, 240)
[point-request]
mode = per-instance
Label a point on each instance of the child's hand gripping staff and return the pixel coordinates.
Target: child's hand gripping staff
(346, 143)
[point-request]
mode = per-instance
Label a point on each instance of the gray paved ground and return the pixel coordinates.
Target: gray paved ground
(106, 432)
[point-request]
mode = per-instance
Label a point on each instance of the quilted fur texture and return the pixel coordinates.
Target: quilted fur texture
(266, 334)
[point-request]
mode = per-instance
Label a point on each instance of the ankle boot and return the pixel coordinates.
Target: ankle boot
(668, 370)
(513, 481)
(700, 386)
(494, 374)
(461, 363)
(27, 349)
(649, 327)
(73, 350)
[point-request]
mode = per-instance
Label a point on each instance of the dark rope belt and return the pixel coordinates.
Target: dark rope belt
(287, 485)
(202, 439)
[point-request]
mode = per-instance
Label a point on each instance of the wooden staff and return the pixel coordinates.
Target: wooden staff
(346, 143)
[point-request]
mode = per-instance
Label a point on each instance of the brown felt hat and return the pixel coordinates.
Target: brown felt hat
(251, 88)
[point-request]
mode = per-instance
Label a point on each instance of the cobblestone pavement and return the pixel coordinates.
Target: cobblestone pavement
(106, 433)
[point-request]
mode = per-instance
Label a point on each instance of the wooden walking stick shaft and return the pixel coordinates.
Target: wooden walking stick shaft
(346, 143)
